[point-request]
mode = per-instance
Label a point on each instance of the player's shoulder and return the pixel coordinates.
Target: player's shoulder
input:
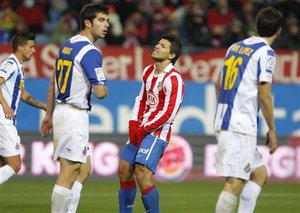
(172, 74)
(8, 64)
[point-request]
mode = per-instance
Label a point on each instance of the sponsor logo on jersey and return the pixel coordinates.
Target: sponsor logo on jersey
(176, 162)
(6, 66)
(100, 74)
(270, 64)
(159, 86)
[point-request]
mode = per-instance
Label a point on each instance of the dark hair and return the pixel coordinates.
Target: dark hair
(175, 46)
(268, 22)
(20, 38)
(89, 11)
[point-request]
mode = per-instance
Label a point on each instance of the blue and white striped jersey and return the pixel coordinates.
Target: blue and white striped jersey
(12, 71)
(78, 66)
(247, 63)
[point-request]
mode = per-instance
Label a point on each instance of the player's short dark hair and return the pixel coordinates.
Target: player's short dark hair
(89, 12)
(175, 45)
(21, 38)
(268, 22)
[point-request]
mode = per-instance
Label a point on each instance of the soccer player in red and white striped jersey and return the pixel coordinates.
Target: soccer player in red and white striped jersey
(150, 129)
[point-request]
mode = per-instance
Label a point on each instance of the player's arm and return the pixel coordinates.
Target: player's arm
(267, 67)
(137, 113)
(46, 125)
(27, 98)
(91, 64)
(218, 86)
(8, 112)
(266, 104)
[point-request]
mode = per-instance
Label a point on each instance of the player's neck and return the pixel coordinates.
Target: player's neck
(271, 39)
(160, 66)
(19, 57)
(87, 34)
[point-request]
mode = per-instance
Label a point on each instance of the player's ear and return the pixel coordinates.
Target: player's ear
(87, 23)
(278, 33)
(172, 56)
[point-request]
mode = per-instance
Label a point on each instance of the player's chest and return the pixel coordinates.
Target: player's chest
(155, 89)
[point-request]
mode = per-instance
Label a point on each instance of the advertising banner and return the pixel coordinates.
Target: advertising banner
(122, 63)
(111, 115)
(186, 157)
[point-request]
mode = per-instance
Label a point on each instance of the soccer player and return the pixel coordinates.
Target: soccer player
(153, 114)
(244, 87)
(78, 72)
(11, 91)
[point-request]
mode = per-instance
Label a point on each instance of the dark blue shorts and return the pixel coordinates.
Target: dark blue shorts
(149, 153)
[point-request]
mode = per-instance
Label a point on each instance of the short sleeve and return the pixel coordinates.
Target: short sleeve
(267, 64)
(91, 63)
(6, 69)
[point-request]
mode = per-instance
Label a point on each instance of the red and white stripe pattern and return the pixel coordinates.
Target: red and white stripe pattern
(159, 101)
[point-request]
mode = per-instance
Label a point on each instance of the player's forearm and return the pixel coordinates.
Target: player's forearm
(266, 103)
(27, 98)
(51, 97)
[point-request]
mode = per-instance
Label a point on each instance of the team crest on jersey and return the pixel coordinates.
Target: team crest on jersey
(17, 147)
(151, 98)
(84, 151)
(247, 169)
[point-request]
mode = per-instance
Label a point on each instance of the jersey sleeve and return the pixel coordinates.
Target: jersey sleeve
(266, 65)
(91, 63)
(7, 69)
(140, 100)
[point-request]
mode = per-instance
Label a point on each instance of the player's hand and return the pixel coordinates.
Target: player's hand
(133, 131)
(8, 112)
(141, 135)
(46, 126)
(271, 141)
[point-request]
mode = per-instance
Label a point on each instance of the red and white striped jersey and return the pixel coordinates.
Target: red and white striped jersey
(159, 101)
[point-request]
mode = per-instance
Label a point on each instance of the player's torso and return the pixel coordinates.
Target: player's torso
(157, 98)
(72, 84)
(239, 87)
(14, 84)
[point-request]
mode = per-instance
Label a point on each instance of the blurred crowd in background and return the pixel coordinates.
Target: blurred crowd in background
(200, 24)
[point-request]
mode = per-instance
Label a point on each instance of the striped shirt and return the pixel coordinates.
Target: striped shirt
(78, 66)
(247, 63)
(159, 100)
(12, 71)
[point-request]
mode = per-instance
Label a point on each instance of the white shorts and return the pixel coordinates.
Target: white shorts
(70, 133)
(9, 140)
(237, 155)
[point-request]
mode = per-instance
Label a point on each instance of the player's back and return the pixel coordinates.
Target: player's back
(238, 105)
(72, 85)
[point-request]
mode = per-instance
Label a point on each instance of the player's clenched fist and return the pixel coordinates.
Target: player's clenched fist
(133, 131)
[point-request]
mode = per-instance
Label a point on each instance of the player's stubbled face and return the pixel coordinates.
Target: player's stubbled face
(100, 25)
(161, 50)
(28, 50)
